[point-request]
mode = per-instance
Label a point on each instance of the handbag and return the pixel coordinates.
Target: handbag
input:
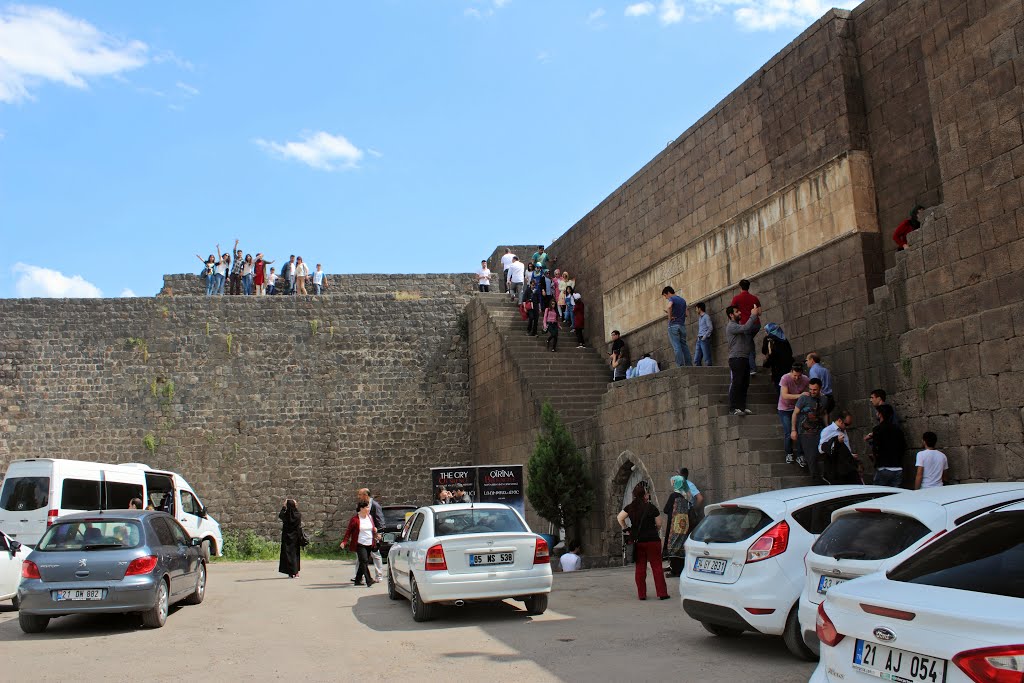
(304, 539)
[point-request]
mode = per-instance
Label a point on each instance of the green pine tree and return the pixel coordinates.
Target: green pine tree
(558, 484)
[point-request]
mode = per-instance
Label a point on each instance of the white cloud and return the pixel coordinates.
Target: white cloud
(478, 13)
(168, 57)
(44, 282)
(640, 9)
(127, 293)
(40, 44)
(318, 150)
(189, 90)
(374, 153)
(670, 12)
(595, 16)
(769, 15)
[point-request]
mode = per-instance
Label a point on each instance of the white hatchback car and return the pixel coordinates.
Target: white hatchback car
(12, 554)
(454, 554)
(744, 560)
(864, 539)
(953, 612)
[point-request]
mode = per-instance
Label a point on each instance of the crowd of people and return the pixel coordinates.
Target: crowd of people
(245, 275)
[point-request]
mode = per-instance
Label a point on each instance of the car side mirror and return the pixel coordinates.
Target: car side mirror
(195, 542)
(14, 547)
(203, 513)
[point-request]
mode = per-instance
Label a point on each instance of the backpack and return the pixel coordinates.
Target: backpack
(838, 465)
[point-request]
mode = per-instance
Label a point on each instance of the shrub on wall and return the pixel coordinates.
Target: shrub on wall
(557, 482)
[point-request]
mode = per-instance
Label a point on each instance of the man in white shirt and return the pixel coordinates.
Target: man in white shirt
(483, 277)
(319, 285)
(516, 273)
(571, 561)
(506, 262)
(838, 428)
(646, 366)
(932, 465)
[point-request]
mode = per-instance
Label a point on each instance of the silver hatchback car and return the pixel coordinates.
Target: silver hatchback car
(111, 562)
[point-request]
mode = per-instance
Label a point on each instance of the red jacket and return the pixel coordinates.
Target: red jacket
(899, 235)
(577, 315)
(351, 538)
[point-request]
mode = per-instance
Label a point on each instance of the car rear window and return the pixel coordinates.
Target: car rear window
(868, 536)
(396, 517)
(91, 535)
(986, 556)
(25, 493)
(476, 522)
(816, 517)
(730, 525)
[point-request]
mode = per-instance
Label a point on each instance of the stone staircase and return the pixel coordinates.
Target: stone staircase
(572, 379)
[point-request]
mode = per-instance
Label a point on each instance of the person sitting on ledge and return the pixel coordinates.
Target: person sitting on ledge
(646, 366)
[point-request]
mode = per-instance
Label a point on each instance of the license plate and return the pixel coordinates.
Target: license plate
(709, 565)
(491, 558)
(826, 582)
(86, 594)
(901, 666)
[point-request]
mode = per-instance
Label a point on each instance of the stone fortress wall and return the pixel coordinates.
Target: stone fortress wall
(252, 400)
(795, 181)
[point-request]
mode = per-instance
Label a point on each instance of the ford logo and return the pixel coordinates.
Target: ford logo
(884, 635)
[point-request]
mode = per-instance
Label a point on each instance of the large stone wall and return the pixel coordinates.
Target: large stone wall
(251, 399)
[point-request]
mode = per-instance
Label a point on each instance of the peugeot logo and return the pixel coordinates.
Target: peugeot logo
(884, 635)
(706, 552)
(836, 572)
(82, 562)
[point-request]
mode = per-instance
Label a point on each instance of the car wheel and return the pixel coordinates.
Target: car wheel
(207, 548)
(392, 591)
(795, 639)
(536, 604)
(420, 610)
(200, 592)
(16, 601)
(157, 617)
(30, 623)
(720, 631)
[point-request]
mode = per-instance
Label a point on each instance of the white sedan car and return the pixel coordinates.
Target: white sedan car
(744, 560)
(12, 554)
(951, 613)
(454, 554)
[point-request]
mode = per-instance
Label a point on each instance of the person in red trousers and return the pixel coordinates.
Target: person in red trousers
(644, 523)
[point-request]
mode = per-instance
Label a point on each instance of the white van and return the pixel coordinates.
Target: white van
(37, 491)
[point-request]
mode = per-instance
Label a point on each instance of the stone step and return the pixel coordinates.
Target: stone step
(793, 481)
(760, 443)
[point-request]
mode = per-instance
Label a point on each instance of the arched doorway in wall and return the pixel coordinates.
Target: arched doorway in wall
(629, 471)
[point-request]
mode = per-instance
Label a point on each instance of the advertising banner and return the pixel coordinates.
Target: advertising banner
(502, 484)
(451, 478)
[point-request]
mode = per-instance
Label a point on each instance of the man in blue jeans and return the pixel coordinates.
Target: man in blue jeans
(675, 309)
(702, 350)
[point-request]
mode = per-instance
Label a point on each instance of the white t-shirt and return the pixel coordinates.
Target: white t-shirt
(318, 277)
(516, 271)
(484, 276)
(646, 366)
(301, 270)
(221, 268)
(934, 464)
(365, 531)
(246, 268)
(571, 562)
(271, 279)
(506, 261)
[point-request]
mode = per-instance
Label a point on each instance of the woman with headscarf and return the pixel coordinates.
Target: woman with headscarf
(291, 537)
(644, 524)
(679, 506)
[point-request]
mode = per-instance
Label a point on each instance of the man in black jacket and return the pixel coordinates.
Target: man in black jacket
(889, 446)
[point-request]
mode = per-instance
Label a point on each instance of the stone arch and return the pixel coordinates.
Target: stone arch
(622, 469)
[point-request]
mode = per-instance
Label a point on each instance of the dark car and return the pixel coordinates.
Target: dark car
(394, 520)
(120, 561)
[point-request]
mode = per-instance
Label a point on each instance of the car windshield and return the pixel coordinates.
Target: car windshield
(986, 556)
(25, 493)
(730, 525)
(869, 536)
(479, 521)
(98, 534)
(397, 516)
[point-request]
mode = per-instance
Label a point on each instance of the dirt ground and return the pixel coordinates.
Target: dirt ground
(258, 625)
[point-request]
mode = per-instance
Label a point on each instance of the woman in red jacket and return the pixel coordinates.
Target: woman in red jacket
(578, 320)
(359, 538)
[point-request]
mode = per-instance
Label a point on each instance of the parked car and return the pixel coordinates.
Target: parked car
(395, 517)
(102, 562)
(38, 490)
(952, 612)
(454, 554)
(863, 539)
(12, 554)
(744, 560)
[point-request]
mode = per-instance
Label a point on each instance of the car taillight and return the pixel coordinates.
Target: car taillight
(541, 553)
(1003, 664)
(435, 558)
(51, 517)
(773, 542)
(825, 629)
(29, 570)
(888, 612)
(141, 565)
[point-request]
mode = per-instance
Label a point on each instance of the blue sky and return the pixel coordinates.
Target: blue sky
(386, 136)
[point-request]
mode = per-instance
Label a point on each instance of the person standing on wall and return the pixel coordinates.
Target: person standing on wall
(483, 277)
(209, 265)
(678, 509)
(260, 274)
(675, 309)
(506, 262)
(741, 346)
(291, 537)
(288, 276)
(745, 302)
(702, 350)
(377, 513)
(319, 281)
(220, 272)
(247, 268)
(301, 273)
(644, 524)
(236, 271)
(361, 538)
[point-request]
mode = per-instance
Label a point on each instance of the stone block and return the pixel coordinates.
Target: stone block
(987, 463)
(984, 392)
(1007, 426)
(976, 428)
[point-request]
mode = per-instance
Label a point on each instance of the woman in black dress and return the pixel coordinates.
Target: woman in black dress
(291, 534)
